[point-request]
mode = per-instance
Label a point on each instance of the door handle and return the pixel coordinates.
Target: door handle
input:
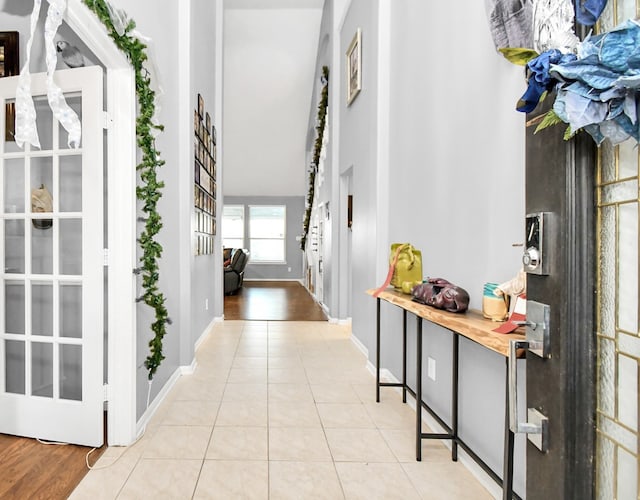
(537, 425)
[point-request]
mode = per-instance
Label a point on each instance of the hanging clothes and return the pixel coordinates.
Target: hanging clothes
(510, 22)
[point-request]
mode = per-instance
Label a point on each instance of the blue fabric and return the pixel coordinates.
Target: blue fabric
(588, 11)
(598, 91)
(539, 78)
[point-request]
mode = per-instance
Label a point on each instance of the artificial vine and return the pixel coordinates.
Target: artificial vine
(149, 192)
(317, 149)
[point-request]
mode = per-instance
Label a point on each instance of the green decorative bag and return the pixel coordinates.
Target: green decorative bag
(405, 267)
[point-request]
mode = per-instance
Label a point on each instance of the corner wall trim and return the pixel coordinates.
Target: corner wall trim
(189, 370)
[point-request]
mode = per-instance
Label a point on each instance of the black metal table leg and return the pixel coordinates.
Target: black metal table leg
(377, 350)
(507, 475)
(419, 390)
(404, 355)
(454, 398)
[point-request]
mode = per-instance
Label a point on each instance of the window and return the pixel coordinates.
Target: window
(267, 232)
(233, 226)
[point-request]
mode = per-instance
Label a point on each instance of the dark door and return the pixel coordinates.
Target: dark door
(560, 183)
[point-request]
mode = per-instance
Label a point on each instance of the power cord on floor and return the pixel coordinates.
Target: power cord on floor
(56, 443)
(138, 438)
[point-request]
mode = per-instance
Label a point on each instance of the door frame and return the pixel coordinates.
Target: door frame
(121, 230)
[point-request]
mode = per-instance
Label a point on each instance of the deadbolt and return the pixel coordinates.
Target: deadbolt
(535, 260)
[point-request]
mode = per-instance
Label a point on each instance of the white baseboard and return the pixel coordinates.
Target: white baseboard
(204, 334)
(218, 319)
(299, 280)
(361, 347)
(338, 321)
(157, 401)
(189, 370)
(180, 371)
(483, 478)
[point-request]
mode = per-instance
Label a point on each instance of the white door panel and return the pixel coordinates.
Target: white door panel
(51, 285)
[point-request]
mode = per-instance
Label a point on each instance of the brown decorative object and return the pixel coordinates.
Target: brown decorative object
(9, 66)
(349, 211)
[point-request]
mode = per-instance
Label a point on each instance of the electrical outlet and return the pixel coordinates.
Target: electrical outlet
(431, 368)
(206, 304)
(289, 269)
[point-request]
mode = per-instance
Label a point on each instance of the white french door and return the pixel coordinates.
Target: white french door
(52, 280)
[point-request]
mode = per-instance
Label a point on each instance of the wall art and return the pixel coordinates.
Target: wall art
(354, 67)
(204, 179)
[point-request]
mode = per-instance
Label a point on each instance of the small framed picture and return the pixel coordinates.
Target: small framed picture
(207, 121)
(354, 67)
(200, 105)
(9, 53)
(9, 66)
(213, 134)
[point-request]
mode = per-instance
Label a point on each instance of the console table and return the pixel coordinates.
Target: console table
(473, 326)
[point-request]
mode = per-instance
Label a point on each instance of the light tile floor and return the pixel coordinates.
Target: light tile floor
(279, 410)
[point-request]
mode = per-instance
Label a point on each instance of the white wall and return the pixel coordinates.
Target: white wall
(435, 150)
(268, 75)
(186, 281)
(161, 26)
(206, 282)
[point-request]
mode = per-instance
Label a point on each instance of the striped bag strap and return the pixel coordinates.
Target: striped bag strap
(392, 268)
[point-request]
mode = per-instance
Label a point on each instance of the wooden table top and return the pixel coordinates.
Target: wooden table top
(470, 324)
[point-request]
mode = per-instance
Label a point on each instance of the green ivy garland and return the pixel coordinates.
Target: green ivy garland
(149, 190)
(317, 149)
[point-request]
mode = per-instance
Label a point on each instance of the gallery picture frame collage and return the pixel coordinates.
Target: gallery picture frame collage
(205, 174)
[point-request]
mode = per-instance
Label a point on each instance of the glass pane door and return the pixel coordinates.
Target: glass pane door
(51, 327)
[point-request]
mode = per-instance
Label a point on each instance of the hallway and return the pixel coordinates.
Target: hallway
(279, 410)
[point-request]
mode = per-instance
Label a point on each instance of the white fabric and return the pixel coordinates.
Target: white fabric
(25, 110)
(61, 110)
(26, 130)
(553, 26)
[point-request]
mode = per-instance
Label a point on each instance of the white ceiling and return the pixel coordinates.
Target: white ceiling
(269, 66)
(273, 4)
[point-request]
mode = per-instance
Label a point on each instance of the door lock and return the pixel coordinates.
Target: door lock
(535, 260)
(531, 258)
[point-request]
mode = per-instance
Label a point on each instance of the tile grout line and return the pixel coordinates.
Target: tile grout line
(213, 426)
(268, 424)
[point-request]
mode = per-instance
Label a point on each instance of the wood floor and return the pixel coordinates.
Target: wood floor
(272, 301)
(29, 469)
